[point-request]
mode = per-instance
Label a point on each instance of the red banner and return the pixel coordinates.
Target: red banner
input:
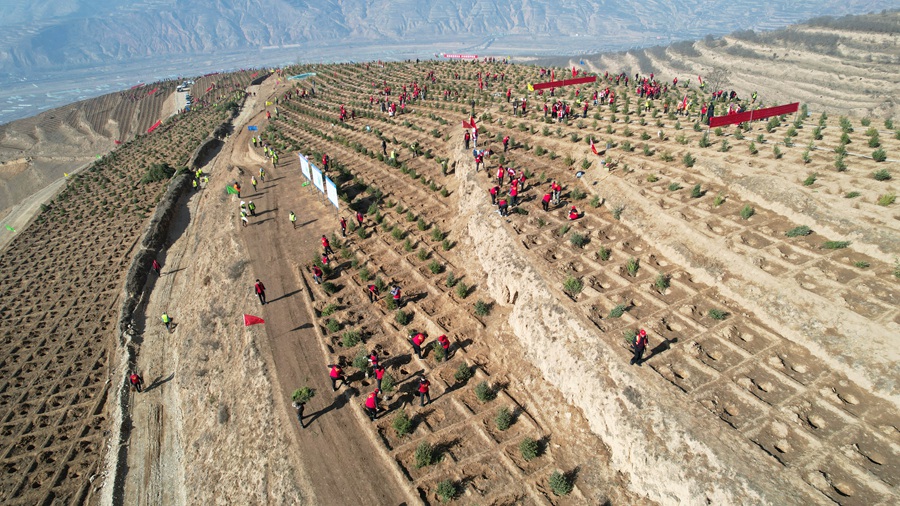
(152, 91)
(567, 82)
(249, 319)
(211, 87)
(155, 126)
(463, 56)
(735, 119)
(254, 75)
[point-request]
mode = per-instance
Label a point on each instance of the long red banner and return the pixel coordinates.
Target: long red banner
(155, 125)
(735, 119)
(462, 56)
(567, 82)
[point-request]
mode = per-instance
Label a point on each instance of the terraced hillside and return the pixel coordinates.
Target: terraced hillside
(760, 260)
(846, 65)
(60, 295)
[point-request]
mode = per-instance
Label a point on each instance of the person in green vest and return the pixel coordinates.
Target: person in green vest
(293, 218)
(167, 320)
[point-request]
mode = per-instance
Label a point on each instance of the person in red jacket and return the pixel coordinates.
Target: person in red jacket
(506, 144)
(555, 190)
(343, 227)
(372, 290)
(513, 194)
(424, 385)
(493, 191)
(260, 290)
(327, 246)
(503, 206)
(155, 266)
(417, 339)
(317, 274)
(466, 139)
(500, 173)
(359, 218)
(379, 375)
(395, 293)
(372, 405)
(573, 213)
(336, 374)
(545, 202)
(522, 180)
(136, 381)
(640, 344)
(445, 344)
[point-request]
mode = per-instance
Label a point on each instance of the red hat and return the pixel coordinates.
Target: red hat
(642, 332)
(573, 208)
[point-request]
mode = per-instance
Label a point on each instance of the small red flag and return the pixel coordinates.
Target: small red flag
(117, 142)
(700, 79)
(594, 148)
(574, 72)
(249, 319)
(552, 75)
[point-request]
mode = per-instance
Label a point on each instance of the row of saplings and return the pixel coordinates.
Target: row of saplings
(426, 453)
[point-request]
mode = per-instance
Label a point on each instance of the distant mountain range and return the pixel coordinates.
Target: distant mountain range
(53, 35)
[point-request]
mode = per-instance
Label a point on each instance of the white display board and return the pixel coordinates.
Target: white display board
(331, 191)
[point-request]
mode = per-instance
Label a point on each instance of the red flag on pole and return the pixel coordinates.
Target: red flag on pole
(700, 79)
(249, 319)
(594, 148)
(552, 75)
(574, 72)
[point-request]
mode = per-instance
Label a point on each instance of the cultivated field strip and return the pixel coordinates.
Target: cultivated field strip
(59, 296)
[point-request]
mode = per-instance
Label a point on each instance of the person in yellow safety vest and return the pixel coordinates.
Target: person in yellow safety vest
(194, 183)
(167, 320)
(293, 218)
(253, 182)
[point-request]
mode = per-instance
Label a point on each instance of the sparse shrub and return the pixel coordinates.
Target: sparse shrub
(435, 267)
(704, 141)
(886, 199)
(463, 373)
(881, 175)
(752, 148)
(572, 286)
(861, 264)
(874, 141)
(576, 194)
(329, 309)
(725, 146)
(578, 240)
(484, 392)
(407, 245)
(632, 266)
(879, 155)
(662, 282)
(503, 418)
(595, 201)
(451, 280)
(666, 156)
(529, 449)
(388, 383)
(303, 395)
(424, 454)
(652, 178)
(718, 200)
(446, 245)
(717, 314)
(617, 211)
(839, 163)
(805, 156)
(747, 211)
(617, 311)
(835, 244)
(350, 338)
(401, 423)
(436, 234)
(361, 359)
(402, 317)
(777, 152)
(798, 231)
(482, 308)
(560, 484)
(446, 490)
(674, 186)
(688, 160)
(421, 225)
(462, 291)
(423, 254)
(810, 179)
(604, 253)
(329, 288)
(851, 195)
(398, 234)
(361, 233)
(438, 350)
(697, 191)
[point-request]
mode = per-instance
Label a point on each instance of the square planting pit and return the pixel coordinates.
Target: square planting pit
(872, 453)
(885, 292)
(697, 309)
(782, 442)
(836, 273)
(814, 280)
(752, 239)
(795, 362)
(764, 384)
(842, 485)
(440, 416)
(679, 371)
(602, 281)
(717, 227)
(849, 397)
(487, 476)
(639, 306)
(521, 424)
(816, 417)
(771, 265)
(716, 354)
(864, 305)
(746, 336)
(730, 405)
